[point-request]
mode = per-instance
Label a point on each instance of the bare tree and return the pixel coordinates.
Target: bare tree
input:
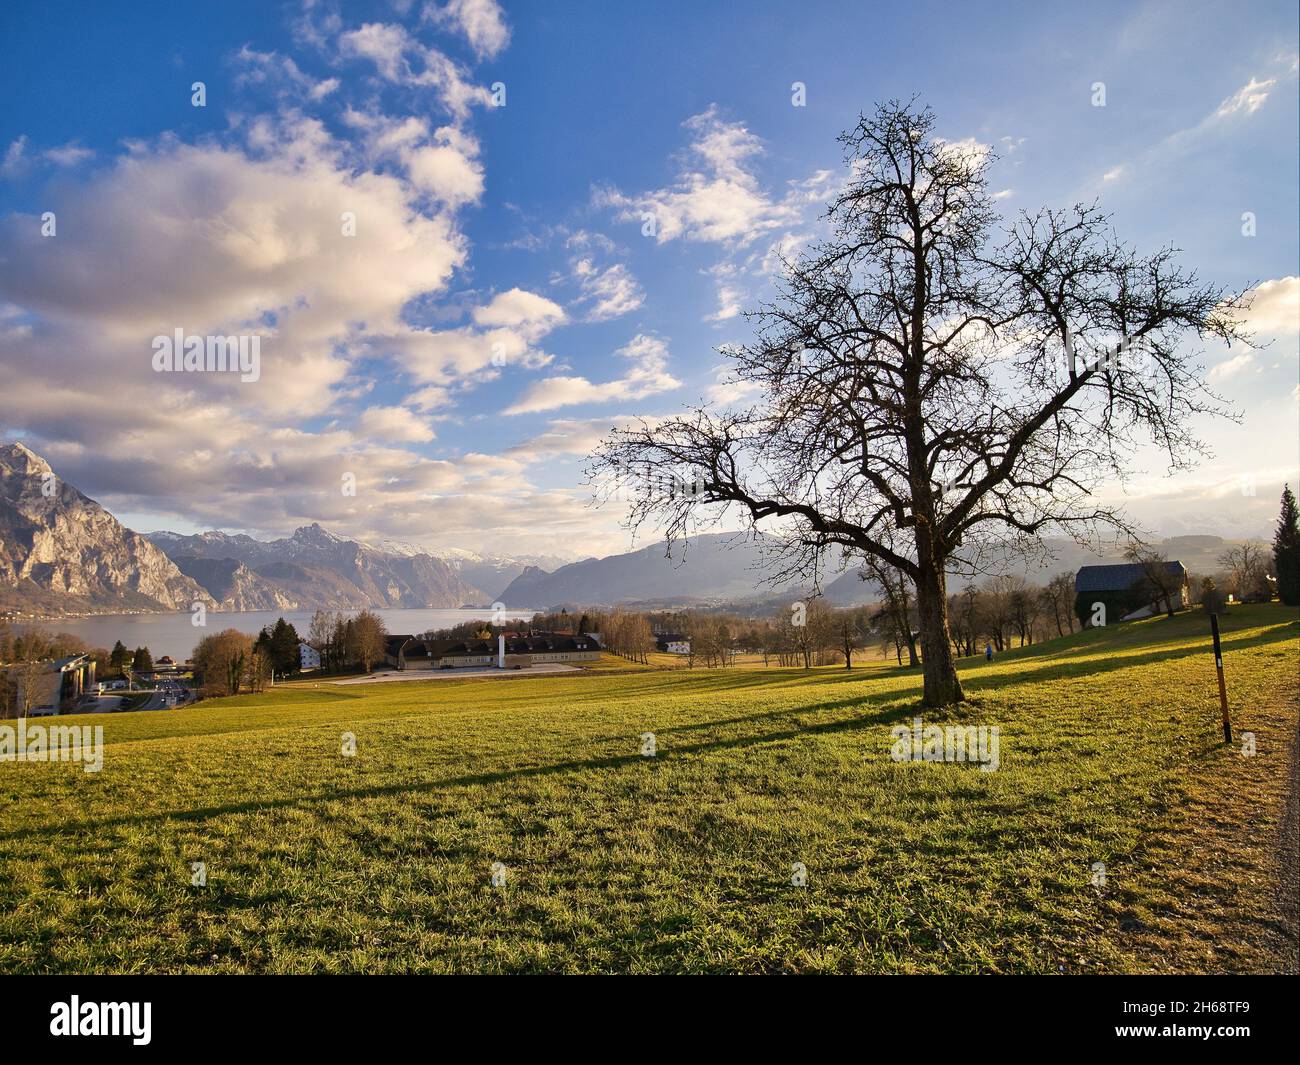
(897, 599)
(923, 398)
(222, 662)
(848, 626)
(1247, 564)
(1156, 580)
(1024, 604)
(370, 635)
(1058, 601)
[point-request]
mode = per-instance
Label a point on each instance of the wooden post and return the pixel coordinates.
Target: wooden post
(1223, 690)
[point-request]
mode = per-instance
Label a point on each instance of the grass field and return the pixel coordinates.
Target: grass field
(1110, 752)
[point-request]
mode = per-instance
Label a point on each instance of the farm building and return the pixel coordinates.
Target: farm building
(414, 652)
(673, 643)
(1130, 590)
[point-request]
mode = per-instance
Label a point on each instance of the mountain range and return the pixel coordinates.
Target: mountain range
(61, 552)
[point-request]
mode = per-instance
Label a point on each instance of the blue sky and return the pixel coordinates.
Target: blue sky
(499, 306)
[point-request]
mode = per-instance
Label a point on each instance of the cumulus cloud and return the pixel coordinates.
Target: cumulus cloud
(717, 196)
(69, 154)
(575, 436)
(280, 74)
(607, 289)
(230, 240)
(443, 163)
(503, 332)
(479, 21)
(1231, 367)
(611, 290)
(394, 425)
(647, 376)
(402, 60)
(1275, 308)
(519, 308)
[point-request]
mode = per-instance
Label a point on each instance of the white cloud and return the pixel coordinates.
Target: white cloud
(716, 199)
(442, 164)
(520, 308)
(481, 22)
(1231, 367)
(1237, 107)
(280, 73)
(69, 154)
(14, 156)
(1248, 99)
(504, 332)
(402, 60)
(1275, 308)
(612, 290)
(731, 293)
(575, 436)
(223, 240)
(393, 425)
(648, 376)
(446, 173)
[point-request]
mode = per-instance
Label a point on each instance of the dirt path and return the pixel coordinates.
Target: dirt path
(1288, 863)
(1227, 863)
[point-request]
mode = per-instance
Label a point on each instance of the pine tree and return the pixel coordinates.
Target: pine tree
(143, 661)
(119, 658)
(1286, 550)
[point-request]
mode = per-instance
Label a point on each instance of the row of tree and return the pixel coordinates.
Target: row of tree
(347, 641)
(229, 662)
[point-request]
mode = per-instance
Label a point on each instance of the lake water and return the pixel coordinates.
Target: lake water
(175, 635)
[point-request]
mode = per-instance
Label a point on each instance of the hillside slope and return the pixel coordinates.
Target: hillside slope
(1109, 752)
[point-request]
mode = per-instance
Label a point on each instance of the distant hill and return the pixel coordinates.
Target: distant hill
(63, 552)
(314, 568)
(711, 567)
(726, 569)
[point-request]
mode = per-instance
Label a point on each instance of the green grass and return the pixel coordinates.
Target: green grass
(1110, 748)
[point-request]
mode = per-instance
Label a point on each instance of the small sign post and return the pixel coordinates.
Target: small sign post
(1223, 690)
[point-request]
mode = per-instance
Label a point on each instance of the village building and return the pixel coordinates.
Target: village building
(508, 651)
(47, 688)
(308, 657)
(673, 643)
(1130, 591)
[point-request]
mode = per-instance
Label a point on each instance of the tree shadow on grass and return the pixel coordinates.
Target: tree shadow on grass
(1275, 634)
(882, 716)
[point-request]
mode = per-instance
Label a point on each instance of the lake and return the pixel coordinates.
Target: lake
(173, 634)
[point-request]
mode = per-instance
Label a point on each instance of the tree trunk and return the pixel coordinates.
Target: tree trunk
(941, 686)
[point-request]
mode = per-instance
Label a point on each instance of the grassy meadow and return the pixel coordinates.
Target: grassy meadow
(615, 862)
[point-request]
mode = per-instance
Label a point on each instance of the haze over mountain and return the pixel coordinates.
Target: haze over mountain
(61, 552)
(314, 568)
(723, 568)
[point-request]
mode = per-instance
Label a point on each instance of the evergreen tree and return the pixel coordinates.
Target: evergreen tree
(285, 657)
(143, 661)
(119, 657)
(1286, 550)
